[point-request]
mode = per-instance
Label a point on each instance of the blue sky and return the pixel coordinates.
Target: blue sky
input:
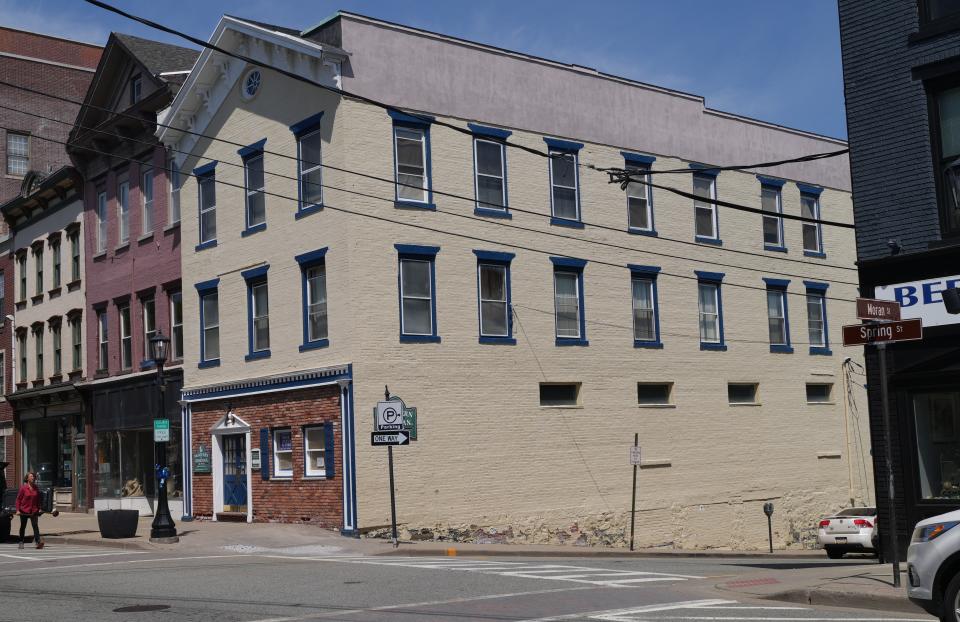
(769, 59)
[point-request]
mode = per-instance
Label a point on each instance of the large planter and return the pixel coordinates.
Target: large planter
(118, 523)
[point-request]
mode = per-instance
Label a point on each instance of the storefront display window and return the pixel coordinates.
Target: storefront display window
(125, 463)
(48, 450)
(937, 418)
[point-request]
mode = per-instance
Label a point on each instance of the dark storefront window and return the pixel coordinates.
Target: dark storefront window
(125, 459)
(48, 449)
(937, 417)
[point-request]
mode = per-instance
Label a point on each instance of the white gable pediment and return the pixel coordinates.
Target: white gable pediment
(230, 423)
(216, 74)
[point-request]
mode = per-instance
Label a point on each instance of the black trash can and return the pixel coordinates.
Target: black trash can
(118, 523)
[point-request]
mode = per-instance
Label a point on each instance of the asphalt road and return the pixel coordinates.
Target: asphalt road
(80, 583)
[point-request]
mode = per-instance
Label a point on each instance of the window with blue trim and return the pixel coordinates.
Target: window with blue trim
(209, 323)
(309, 164)
(772, 205)
(313, 270)
(639, 195)
(564, 182)
(710, 303)
(493, 294)
(258, 312)
(570, 325)
(418, 302)
(778, 322)
(490, 175)
(817, 331)
(253, 178)
(646, 320)
(206, 185)
(705, 210)
(812, 234)
(411, 150)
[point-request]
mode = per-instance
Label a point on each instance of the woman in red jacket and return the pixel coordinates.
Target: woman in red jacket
(28, 505)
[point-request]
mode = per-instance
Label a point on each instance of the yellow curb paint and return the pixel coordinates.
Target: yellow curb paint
(451, 552)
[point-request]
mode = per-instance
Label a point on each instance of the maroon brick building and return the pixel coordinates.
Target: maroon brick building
(132, 236)
(46, 64)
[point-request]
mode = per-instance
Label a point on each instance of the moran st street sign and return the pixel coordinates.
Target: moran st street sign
(881, 310)
(861, 334)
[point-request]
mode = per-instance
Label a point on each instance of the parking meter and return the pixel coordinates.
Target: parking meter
(768, 510)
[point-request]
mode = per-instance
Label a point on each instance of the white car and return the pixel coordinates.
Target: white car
(933, 566)
(853, 530)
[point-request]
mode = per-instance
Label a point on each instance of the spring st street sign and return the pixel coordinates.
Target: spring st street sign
(884, 332)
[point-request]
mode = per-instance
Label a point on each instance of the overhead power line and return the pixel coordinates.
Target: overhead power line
(623, 173)
(466, 236)
(380, 104)
(469, 199)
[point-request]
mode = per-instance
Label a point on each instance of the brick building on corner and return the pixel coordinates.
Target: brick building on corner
(45, 64)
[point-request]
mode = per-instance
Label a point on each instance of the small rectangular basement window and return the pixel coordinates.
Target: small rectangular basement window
(819, 392)
(742, 393)
(654, 393)
(560, 394)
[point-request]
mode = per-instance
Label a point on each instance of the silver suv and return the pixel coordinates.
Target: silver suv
(933, 566)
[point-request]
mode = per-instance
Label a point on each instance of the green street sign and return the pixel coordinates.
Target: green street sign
(410, 422)
(161, 430)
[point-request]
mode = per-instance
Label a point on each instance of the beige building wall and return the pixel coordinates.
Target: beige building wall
(54, 303)
(490, 462)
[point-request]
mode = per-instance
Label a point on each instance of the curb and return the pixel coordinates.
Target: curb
(587, 552)
(848, 599)
(113, 544)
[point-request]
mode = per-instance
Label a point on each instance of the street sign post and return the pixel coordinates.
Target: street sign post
(635, 461)
(880, 310)
(161, 430)
(882, 332)
(389, 439)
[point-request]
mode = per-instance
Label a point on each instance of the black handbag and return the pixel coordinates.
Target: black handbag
(46, 500)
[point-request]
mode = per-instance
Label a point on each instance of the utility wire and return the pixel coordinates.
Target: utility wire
(471, 200)
(737, 167)
(426, 228)
(365, 175)
(368, 100)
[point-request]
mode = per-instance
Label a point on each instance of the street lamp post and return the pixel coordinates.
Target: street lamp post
(163, 529)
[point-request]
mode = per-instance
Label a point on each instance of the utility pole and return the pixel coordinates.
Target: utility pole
(891, 529)
(393, 499)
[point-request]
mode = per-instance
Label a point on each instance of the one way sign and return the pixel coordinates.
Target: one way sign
(378, 439)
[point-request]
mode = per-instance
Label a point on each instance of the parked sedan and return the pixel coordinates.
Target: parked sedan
(853, 530)
(933, 566)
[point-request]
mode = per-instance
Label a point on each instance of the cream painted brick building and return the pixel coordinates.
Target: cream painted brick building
(491, 460)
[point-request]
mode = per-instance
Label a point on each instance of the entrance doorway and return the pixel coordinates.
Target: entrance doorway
(235, 473)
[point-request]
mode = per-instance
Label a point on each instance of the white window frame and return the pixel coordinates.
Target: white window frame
(146, 199)
(396, 162)
(22, 356)
(14, 155)
(318, 307)
(56, 337)
(209, 326)
(429, 297)
(311, 454)
(776, 215)
(647, 195)
(502, 268)
(101, 222)
(781, 295)
(704, 314)
(76, 343)
(38, 355)
(575, 187)
(711, 205)
(74, 238)
(811, 225)
(821, 304)
(38, 270)
(103, 340)
(277, 471)
(317, 166)
(56, 260)
(176, 353)
(250, 193)
(22, 267)
(502, 177)
(212, 180)
(259, 314)
(123, 212)
(556, 309)
(174, 189)
(126, 337)
(649, 283)
(148, 303)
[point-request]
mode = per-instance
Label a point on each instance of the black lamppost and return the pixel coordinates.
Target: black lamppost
(163, 529)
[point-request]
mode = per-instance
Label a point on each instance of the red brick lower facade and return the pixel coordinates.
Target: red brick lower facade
(292, 499)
